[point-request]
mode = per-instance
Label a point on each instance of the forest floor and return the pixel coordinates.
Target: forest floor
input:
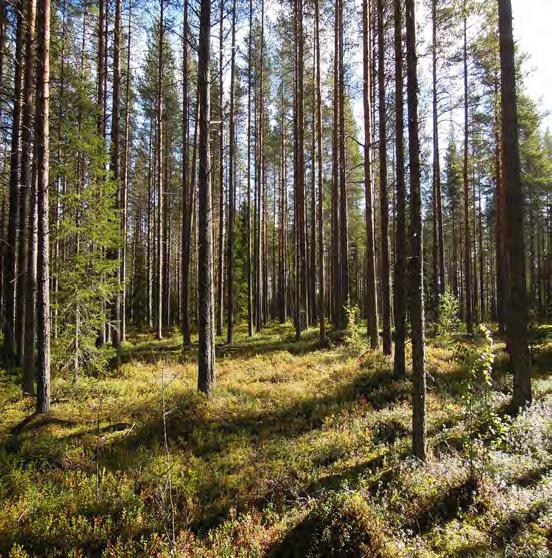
(302, 451)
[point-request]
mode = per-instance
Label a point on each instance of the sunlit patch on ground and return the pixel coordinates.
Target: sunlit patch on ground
(302, 451)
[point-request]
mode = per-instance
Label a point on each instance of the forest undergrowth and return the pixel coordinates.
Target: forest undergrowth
(303, 450)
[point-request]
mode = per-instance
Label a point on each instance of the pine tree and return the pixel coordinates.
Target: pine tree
(517, 315)
(416, 293)
(400, 238)
(43, 168)
(206, 377)
(384, 201)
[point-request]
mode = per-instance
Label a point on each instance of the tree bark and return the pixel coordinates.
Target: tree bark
(101, 68)
(221, 250)
(43, 164)
(438, 238)
(343, 200)
(249, 258)
(311, 245)
(371, 287)
(400, 238)
(416, 254)
(384, 199)
(25, 216)
(468, 299)
(116, 170)
(187, 205)
(159, 173)
(3, 27)
(206, 376)
(10, 262)
(231, 185)
(335, 256)
(124, 190)
(300, 210)
(321, 266)
(517, 316)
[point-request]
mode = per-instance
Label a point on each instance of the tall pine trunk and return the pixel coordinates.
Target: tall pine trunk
(43, 168)
(115, 169)
(335, 253)
(438, 238)
(400, 238)
(124, 187)
(371, 286)
(26, 220)
(468, 291)
(248, 242)
(159, 173)
(416, 246)
(300, 210)
(231, 185)
(321, 267)
(187, 205)
(206, 364)
(10, 262)
(517, 316)
(343, 200)
(384, 198)
(221, 240)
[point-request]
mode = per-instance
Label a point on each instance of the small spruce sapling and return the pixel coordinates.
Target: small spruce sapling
(484, 427)
(449, 316)
(353, 334)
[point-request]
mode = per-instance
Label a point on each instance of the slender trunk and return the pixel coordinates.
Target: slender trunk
(150, 231)
(384, 200)
(25, 215)
(371, 288)
(116, 170)
(249, 259)
(501, 229)
(260, 183)
(321, 267)
(221, 239)
(124, 191)
(283, 216)
(103, 24)
(438, 238)
(43, 163)
(416, 255)
(300, 209)
(468, 301)
(3, 26)
(400, 239)
(343, 205)
(30, 288)
(101, 67)
(311, 246)
(159, 173)
(186, 191)
(231, 184)
(482, 306)
(10, 263)
(335, 259)
(166, 239)
(206, 377)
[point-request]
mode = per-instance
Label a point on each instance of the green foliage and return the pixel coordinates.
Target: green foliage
(353, 335)
(87, 227)
(485, 427)
(301, 450)
(449, 315)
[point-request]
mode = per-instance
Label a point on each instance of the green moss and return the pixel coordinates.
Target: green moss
(302, 449)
